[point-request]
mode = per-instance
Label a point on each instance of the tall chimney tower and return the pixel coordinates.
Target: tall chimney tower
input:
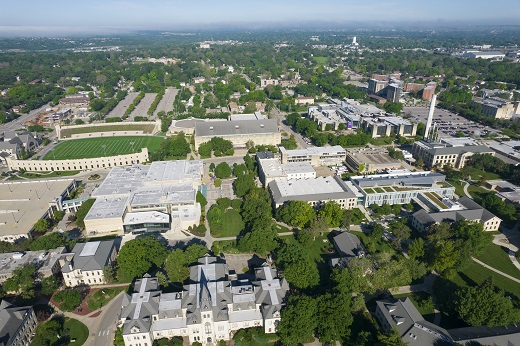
(430, 117)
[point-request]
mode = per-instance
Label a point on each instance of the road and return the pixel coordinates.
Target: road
(280, 117)
(103, 328)
(17, 123)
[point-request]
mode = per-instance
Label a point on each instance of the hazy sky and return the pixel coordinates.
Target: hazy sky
(177, 14)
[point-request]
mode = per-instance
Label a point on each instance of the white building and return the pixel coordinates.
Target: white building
(316, 156)
(160, 197)
(85, 264)
(270, 168)
(210, 308)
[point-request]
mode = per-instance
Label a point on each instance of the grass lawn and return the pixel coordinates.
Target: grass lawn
(225, 246)
(422, 303)
(232, 225)
(68, 132)
(477, 192)
(388, 189)
(102, 147)
(35, 175)
(99, 299)
(476, 274)
(321, 60)
(369, 191)
(379, 190)
(497, 257)
(282, 229)
(459, 189)
(76, 331)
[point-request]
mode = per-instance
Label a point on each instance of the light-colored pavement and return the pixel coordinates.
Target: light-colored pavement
(121, 107)
(141, 110)
(166, 103)
(18, 123)
(466, 189)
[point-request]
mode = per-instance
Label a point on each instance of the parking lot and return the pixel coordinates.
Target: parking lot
(121, 107)
(449, 123)
(166, 103)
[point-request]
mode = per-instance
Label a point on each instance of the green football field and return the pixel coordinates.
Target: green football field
(100, 147)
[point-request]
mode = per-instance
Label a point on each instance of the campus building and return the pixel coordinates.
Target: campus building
(210, 308)
(12, 143)
(270, 168)
(402, 315)
(447, 153)
(46, 262)
(84, 265)
(386, 126)
(239, 132)
(400, 187)
(314, 191)
(24, 202)
(450, 211)
(371, 160)
(17, 324)
(160, 197)
(498, 108)
(316, 156)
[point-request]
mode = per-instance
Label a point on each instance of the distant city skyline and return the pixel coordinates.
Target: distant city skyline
(126, 15)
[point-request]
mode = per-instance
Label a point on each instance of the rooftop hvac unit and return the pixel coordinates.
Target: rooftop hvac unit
(211, 127)
(236, 126)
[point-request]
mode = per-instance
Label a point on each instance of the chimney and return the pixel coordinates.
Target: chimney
(430, 117)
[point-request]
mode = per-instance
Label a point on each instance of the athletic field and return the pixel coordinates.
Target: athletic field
(100, 147)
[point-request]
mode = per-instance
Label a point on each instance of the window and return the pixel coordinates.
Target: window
(207, 328)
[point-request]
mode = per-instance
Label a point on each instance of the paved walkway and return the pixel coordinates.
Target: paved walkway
(466, 189)
(495, 270)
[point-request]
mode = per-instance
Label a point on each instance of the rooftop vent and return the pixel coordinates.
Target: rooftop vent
(211, 127)
(261, 125)
(236, 126)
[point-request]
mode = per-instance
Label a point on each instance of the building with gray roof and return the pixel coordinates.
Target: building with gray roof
(402, 315)
(13, 142)
(139, 198)
(17, 324)
(85, 263)
(463, 209)
(506, 191)
(239, 132)
(441, 154)
(498, 108)
(496, 336)
(347, 247)
(271, 168)
(211, 305)
(315, 191)
(371, 159)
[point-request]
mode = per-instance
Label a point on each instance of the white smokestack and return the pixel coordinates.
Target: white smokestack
(430, 117)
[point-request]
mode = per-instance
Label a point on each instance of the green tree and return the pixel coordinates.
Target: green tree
(42, 225)
(416, 248)
(332, 213)
(201, 200)
(178, 262)
(260, 239)
(296, 213)
(139, 255)
(298, 320)
(49, 241)
(68, 299)
(83, 211)
(48, 333)
(50, 284)
(483, 306)
(223, 171)
(392, 338)
(298, 269)
(334, 324)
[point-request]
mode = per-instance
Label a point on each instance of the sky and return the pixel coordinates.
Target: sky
(100, 15)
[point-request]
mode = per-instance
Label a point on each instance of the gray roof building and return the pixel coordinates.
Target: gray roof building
(94, 255)
(348, 246)
(414, 330)
(17, 324)
(496, 336)
(235, 127)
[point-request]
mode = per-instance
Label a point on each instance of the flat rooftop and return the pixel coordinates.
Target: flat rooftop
(164, 193)
(273, 168)
(107, 207)
(236, 127)
(146, 216)
(43, 260)
(387, 120)
(321, 188)
(22, 203)
(404, 179)
(332, 150)
(372, 156)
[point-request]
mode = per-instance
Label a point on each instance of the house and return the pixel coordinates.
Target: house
(208, 309)
(410, 324)
(85, 264)
(13, 142)
(347, 246)
(233, 107)
(17, 324)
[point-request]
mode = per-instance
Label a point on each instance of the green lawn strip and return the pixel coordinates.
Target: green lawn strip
(100, 298)
(68, 132)
(102, 147)
(435, 199)
(282, 229)
(495, 256)
(388, 189)
(369, 191)
(477, 192)
(316, 249)
(420, 300)
(321, 60)
(76, 330)
(379, 190)
(459, 189)
(225, 246)
(476, 274)
(36, 175)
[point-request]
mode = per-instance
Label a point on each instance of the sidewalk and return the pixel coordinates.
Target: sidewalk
(495, 270)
